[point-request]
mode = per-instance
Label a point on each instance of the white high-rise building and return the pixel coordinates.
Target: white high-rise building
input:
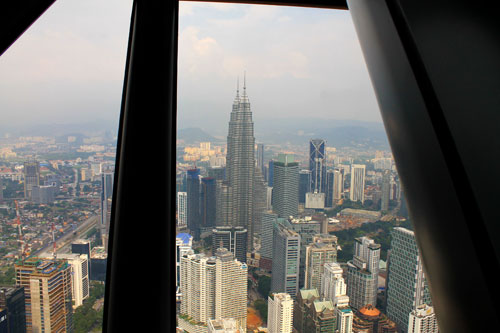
(362, 273)
(357, 192)
(333, 286)
(181, 210)
(183, 246)
(212, 288)
(338, 184)
(344, 319)
(423, 320)
(280, 313)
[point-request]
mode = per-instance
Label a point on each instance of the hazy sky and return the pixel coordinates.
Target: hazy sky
(299, 62)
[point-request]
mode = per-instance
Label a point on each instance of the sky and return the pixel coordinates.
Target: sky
(299, 62)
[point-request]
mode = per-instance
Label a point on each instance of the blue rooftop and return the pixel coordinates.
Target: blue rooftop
(185, 237)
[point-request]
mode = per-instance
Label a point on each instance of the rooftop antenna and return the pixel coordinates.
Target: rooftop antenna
(244, 81)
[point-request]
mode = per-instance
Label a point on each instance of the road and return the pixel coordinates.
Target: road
(65, 241)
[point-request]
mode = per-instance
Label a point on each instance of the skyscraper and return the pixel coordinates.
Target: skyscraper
(362, 273)
(260, 156)
(317, 165)
(107, 179)
(183, 245)
(317, 255)
(79, 276)
(207, 202)
(286, 186)
(181, 210)
(423, 320)
(234, 239)
(270, 174)
(240, 163)
(279, 313)
(212, 288)
(12, 300)
(333, 286)
(338, 184)
(406, 288)
(304, 185)
(386, 187)
(357, 192)
(48, 294)
(31, 177)
(193, 202)
(330, 175)
(286, 256)
(1, 190)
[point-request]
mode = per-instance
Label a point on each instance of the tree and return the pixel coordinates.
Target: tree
(261, 306)
(264, 285)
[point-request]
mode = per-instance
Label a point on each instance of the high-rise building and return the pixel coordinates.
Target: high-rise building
(307, 228)
(107, 179)
(269, 198)
(286, 186)
(48, 294)
(1, 190)
(79, 276)
(362, 273)
(43, 194)
(31, 177)
(304, 185)
(330, 181)
(217, 172)
(279, 313)
(181, 210)
(240, 163)
(12, 300)
(317, 165)
(193, 202)
(344, 319)
(406, 287)
(207, 202)
(357, 192)
(338, 184)
(223, 204)
(423, 320)
(183, 245)
(386, 187)
(259, 203)
(98, 264)
(234, 239)
(270, 173)
(321, 317)
(318, 254)
(286, 257)
(212, 288)
(269, 221)
(333, 286)
(260, 156)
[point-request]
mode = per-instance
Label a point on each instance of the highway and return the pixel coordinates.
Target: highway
(63, 243)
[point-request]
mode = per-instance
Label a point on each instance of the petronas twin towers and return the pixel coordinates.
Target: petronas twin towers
(244, 182)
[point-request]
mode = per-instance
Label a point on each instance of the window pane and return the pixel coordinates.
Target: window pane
(282, 156)
(60, 97)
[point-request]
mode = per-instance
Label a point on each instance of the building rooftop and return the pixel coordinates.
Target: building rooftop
(320, 306)
(369, 311)
(98, 252)
(309, 293)
(184, 237)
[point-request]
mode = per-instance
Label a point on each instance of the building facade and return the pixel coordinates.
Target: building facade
(286, 257)
(12, 301)
(207, 202)
(233, 239)
(357, 191)
(279, 313)
(31, 177)
(193, 202)
(48, 294)
(317, 165)
(286, 186)
(181, 210)
(423, 320)
(362, 273)
(317, 255)
(406, 287)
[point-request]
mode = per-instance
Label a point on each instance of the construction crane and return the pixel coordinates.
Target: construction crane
(20, 229)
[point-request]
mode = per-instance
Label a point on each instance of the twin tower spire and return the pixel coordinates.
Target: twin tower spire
(244, 96)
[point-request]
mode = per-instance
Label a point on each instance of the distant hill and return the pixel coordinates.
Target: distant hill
(195, 135)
